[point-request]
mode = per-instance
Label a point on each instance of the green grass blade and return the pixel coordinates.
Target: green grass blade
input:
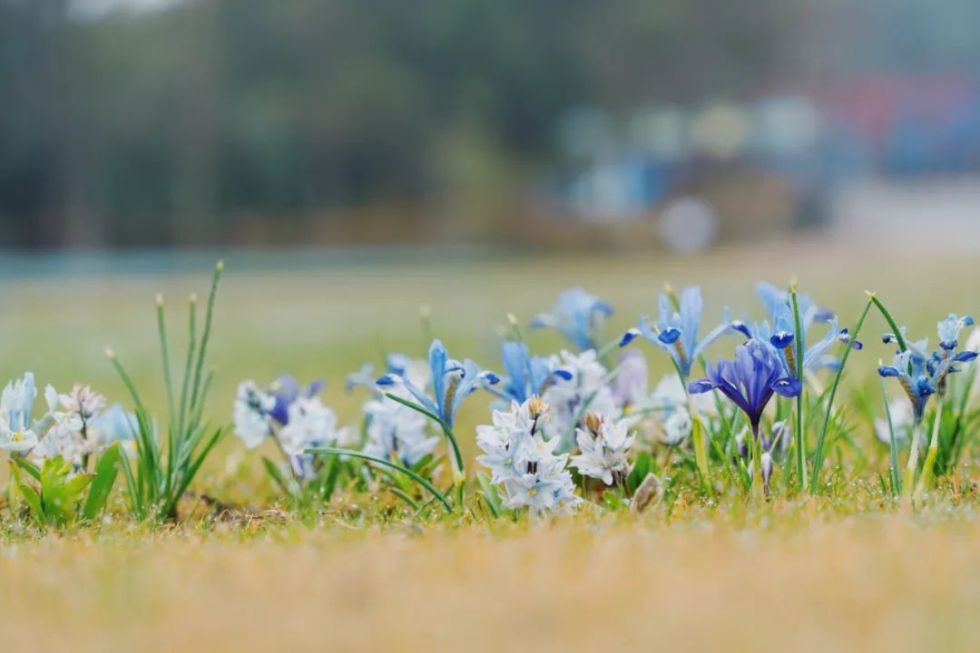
(893, 468)
(189, 363)
(106, 470)
(800, 435)
(387, 463)
(818, 454)
(892, 324)
(205, 337)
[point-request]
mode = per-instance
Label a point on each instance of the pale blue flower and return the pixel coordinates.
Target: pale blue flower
(527, 376)
(781, 334)
(452, 382)
(677, 330)
(578, 315)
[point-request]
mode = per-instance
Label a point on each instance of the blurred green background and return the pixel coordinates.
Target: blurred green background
(561, 123)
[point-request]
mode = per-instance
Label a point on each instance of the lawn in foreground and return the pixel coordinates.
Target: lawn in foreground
(849, 572)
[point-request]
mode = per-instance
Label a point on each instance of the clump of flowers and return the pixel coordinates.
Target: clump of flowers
(921, 374)
(451, 381)
(523, 461)
(293, 417)
(605, 449)
(582, 389)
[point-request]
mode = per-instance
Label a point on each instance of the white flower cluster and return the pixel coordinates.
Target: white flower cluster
(605, 449)
(75, 425)
(568, 399)
(523, 461)
(395, 431)
(297, 420)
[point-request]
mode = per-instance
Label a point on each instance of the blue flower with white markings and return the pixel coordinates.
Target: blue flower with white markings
(526, 375)
(782, 336)
(677, 330)
(910, 369)
(922, 374)
(452, 382)
(578, 315)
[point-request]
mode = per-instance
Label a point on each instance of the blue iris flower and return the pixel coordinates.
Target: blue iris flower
(527, 375)
(366, 377)
(452, 382)
(750, 380)
(922, 374)
(578, 315)
(286, 391)
(781, 335)
(676, 331)
(910, 368)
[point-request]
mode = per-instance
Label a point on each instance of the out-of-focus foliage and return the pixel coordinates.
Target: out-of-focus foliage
(177, 125)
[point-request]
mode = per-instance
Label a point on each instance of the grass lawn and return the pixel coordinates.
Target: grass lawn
(848, 571)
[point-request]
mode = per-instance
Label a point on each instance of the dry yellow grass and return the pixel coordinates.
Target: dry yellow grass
(842, 584)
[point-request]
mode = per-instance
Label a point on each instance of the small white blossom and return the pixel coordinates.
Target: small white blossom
(587, 390)
(605, 449)
(676, 428)
(397, 430)
(311, 424)
(16, 405)
(251, 414)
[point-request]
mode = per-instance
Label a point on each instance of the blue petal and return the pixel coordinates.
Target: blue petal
(887, 371)
(788, 387)
(965, 356)
(781, 340)
(629, 337)
(702, 386)
(669, 335)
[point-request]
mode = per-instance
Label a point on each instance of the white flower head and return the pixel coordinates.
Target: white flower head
(395, 430)
(251, 414)
(676, 428)
(311, 424)
(605, 447)
(20, 441)
(587, 390)
(523, 460)
(82, 402)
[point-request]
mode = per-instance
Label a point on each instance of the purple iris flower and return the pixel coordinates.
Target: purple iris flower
(750, 380)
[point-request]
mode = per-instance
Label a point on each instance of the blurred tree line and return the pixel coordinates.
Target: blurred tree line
(238, 120)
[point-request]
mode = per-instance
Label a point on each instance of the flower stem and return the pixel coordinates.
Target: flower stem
(822, 439)
(913, 462)
(798, 431)
(925, 481)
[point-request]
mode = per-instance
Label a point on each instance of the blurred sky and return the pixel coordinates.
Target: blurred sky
(559, 124)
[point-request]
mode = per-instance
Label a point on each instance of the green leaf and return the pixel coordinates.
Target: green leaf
(639, 472)
(106, 470)
(277, 476)
(490, 493)
(31, 497)
(28, 467)
(387, 463)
